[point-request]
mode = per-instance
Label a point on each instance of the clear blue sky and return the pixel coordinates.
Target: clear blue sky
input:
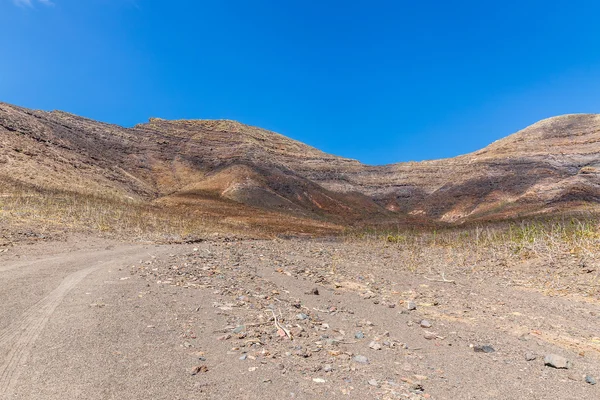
(379, 81)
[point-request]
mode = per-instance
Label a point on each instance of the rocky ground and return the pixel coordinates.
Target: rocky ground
(304, 319)
(307, 319)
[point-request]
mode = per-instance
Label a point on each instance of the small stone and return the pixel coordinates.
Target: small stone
(373, 382)
(319, 380)
(301, 316)
(361, 359)
(556, 361)
(411, 305)
(416, 388)
(375, 346)
(425, 324)
(430, 335)
(590, 379)
(530, 356)
(483, 349)
(239, 329)
(359, 335)
(327, 368)
(315, 291)
(243, 357)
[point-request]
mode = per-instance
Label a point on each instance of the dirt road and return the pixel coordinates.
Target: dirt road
(55, 339)
(98, 320)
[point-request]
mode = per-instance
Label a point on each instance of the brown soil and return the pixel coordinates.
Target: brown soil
(95, 319)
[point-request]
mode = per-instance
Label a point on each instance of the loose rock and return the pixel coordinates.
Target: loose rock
(425, 324)
(239, 329)
(484, 349)
(556, 361)
(361, 359)
(375, 346)
(373, 382)
(590, 379)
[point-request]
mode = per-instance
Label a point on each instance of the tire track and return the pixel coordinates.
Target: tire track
(22, 334)
(27, 263)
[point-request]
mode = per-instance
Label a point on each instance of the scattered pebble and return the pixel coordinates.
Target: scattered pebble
(319, 380)
(425, 324)
(590, 379)
(375, 346)
(556, 361)
(411, 305)
(239, 329)
(483, 349)
(530, 356)
(361, 359)
(373, 382)
(359, 335)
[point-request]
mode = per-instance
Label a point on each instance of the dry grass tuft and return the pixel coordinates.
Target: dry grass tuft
(49, 210)
(557, 256)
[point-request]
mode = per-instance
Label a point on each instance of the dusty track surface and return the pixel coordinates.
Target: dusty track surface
(98, 320)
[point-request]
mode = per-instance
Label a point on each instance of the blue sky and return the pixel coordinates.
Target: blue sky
(379, 81)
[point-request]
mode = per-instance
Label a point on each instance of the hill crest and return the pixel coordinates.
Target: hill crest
(550, 166)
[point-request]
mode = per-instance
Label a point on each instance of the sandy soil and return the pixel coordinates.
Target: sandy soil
(94, 319)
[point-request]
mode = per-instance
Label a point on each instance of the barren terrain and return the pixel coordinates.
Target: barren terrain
(210, 259)
(355, 318)
(254, 178)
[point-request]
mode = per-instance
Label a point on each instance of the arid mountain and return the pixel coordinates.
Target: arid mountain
(553, 165)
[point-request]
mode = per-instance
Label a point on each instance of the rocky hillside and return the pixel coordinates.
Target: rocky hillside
(550, 166)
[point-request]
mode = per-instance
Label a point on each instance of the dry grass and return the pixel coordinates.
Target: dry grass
(557, 256)
(50, 210)
(29, 208)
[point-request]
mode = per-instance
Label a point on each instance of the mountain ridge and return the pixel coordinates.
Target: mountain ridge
(550, 166)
